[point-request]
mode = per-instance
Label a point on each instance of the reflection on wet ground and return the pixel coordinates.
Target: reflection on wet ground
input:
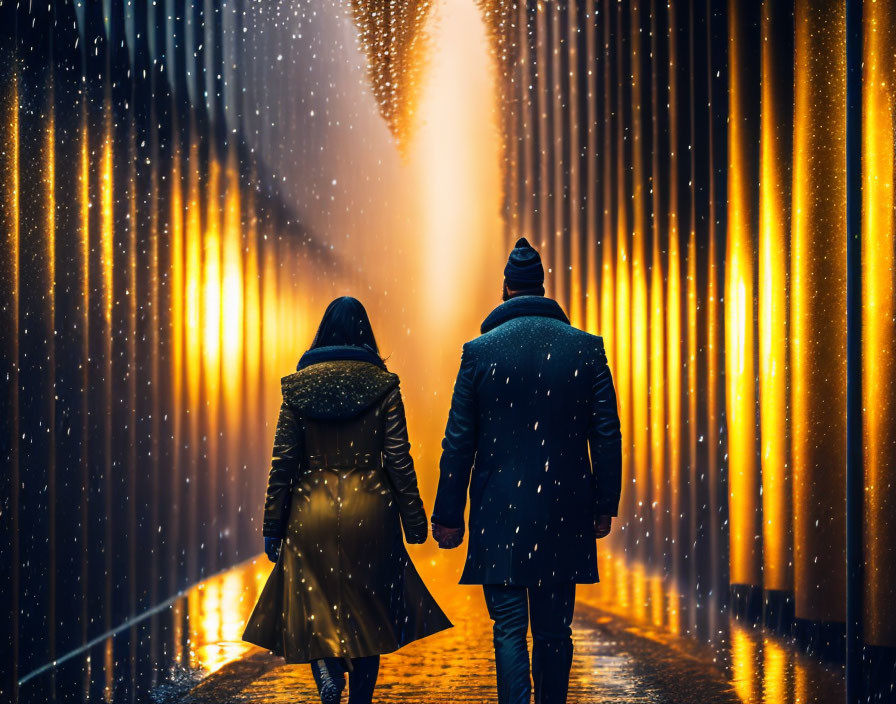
(628, 640)
(637, 640)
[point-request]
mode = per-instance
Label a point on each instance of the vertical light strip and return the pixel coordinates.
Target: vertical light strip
(657, 379)
(879, 320)
(577, 266)
(740, 397)
(211, 283)
(50, 437)
(608, 235)
(231, 291)
(621, 358)
(85, 355)
(107, 225)
(592, 233)
(557, 195)
(544, 228)
(773, 243)
(674, 339)
(252, 325)
(177, 290)
(638, 350)
(818, 311)
(193, 286)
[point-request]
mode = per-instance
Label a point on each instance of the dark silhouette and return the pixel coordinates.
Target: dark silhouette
(533, 393)
(342, 482)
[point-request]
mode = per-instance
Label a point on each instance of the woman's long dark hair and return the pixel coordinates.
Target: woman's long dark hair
(345, 322)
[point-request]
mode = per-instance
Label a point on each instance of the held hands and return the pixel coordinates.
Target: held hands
(447, 538)
(272, 548)
(602, 526)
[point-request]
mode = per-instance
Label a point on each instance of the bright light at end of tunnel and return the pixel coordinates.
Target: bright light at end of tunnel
(456, 153)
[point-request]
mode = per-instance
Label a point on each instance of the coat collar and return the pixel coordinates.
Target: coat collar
(520, 306)
(339, 352)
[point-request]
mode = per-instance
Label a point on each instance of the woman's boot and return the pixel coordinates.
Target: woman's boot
(330, 678)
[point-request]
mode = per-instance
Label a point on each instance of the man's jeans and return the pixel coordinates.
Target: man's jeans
(550, 609)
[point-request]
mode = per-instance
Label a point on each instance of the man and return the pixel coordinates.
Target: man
(532, 395)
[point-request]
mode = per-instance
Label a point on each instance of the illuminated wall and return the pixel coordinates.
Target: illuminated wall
(706, 242)
(153, 284)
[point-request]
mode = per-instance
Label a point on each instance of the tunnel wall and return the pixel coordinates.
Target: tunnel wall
(153, 282)
(693, 213)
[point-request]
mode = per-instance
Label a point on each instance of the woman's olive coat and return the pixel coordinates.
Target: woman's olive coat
(341, 484)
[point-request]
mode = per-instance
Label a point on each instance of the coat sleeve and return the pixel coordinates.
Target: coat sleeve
(399, 467)
(284, 468)
(458, 447)
(605, 440)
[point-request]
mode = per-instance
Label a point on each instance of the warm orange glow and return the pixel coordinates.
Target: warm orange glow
(232, 292)
(638, 349)
(217, 612)
(13, 244)
(178, 286)
(818, 311)
(879, 318)
(674, 340)
(192, 300)
(743, 484)
(211, 337)
(777, 672)
(272, 350)
(50, 183)
(455, 158)
(252, 326)
(211, 282)
(657, 409)
(744, 661)
(777, 572)
(107, 223)
(660, 530)
(592, 233)
(578, 298)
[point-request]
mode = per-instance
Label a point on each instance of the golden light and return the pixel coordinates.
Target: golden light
(232, 291)
(777, 570)
(192, 298)
(818, 278)
(740, 397)
(879, 317)
(210, 303)
(455, 156)
(178, 288)
(744, 661)
(639, 341)
(107, 222)
(777, 673)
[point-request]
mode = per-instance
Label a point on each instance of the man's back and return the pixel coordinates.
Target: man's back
(526, 404)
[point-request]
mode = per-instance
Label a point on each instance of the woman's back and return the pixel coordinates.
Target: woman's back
(342, 483)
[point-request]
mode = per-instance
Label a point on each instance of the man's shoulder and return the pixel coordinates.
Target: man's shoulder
(513, 335)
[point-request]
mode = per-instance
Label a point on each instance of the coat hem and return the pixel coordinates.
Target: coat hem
(296, 660)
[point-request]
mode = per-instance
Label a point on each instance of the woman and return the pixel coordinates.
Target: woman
(343, 591)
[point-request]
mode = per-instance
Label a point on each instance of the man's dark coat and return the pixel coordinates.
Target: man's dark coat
(532, 394)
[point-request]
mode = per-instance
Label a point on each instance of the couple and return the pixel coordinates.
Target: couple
(532, 396)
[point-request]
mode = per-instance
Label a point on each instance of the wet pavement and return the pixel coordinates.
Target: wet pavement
(628, 648)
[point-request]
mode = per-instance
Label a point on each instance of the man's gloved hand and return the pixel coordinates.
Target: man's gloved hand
(272, 547)
(447, 538)
(602, 526)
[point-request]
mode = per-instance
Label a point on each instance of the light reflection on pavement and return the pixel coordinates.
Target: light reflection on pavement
(627, 648)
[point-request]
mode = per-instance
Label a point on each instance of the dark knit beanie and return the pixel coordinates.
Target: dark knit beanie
(524, 269)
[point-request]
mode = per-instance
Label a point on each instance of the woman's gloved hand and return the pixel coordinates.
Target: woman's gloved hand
(417, 535)
(272, 548)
